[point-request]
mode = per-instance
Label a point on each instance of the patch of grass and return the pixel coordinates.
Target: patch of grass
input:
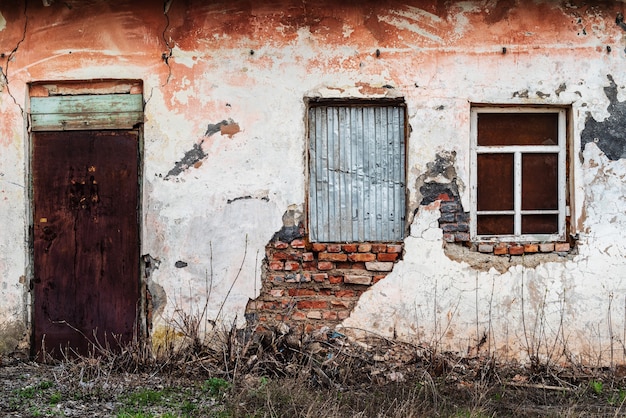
(597, 386)
(55, 398)
(215, 386)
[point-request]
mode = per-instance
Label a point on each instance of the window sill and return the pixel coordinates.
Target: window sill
(504, 248)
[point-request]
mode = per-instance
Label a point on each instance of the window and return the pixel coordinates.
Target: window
(518, 186)
(356, 171)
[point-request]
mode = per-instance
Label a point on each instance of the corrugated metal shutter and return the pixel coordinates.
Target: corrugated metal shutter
(80, 112)
(357, 173)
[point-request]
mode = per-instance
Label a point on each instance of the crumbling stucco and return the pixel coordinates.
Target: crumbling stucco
(255, 63)
(609, 134)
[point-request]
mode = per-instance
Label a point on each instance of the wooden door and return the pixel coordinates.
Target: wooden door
(86, 239)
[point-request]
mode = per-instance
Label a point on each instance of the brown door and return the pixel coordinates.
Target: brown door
(86, 239)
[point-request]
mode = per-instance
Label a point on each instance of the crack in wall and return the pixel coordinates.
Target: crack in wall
(5, 72)
(167, 55)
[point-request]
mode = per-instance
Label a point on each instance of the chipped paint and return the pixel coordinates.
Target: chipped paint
(225, 85)
(609, 134)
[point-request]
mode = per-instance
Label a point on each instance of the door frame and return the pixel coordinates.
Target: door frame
(85, 89)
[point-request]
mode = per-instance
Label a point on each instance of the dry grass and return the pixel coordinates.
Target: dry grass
(280, 374)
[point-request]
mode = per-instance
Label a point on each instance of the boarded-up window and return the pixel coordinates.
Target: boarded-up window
(519, 167)
(356, 172)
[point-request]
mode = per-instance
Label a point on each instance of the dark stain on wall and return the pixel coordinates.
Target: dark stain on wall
(293, 227)
(610, 134)
(195, 155)
(440, 178)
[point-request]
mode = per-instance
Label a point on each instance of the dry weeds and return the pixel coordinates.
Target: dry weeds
(280, 374)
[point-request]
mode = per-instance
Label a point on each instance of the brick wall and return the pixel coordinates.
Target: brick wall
(454, 222)
(310, 285)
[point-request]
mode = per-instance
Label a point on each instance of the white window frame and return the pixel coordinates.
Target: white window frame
(518, 151)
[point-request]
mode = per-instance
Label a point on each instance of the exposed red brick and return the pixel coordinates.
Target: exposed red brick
(461, 237)
(546, 247)
(362, 257)
(531, 248)
(561, 247)
(333, 248)
(344, 293)
(309, 265)
(325, 292)
(277, 293)
(340, 304)
(365, 248)
(501, 249)
(332, 257)
(317, 247)
(350, 248)
(325, 265)
(387, 256)
(302, 292)
(344, 265)
(354, 279)
(280, 245)
(378, 278)
(516, 249)
(282, 256)
(298, 243)
(307, 257)
(329, 315)
(292, 265)
(335, 279)
(277, 265)
(343, 315)
(319, 277)
(394, 248)
(312, 304)
(358, 266)
(277, 278)
(449, 237)
(379, 248)
(298, 316)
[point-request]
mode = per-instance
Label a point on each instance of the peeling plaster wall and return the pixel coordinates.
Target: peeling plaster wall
(224, 148)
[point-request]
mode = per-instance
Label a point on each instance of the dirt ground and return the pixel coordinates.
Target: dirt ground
(298, 378)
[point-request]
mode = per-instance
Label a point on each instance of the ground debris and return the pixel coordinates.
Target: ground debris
(273, 373)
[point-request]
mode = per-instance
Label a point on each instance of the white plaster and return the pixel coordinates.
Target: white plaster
(428, 297)
(3, 23)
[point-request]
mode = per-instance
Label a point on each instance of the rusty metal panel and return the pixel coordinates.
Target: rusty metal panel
(80, 112)
(357, 173)
(86, 238)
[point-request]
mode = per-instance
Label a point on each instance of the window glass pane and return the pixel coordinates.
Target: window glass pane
(540, 181)
(495, 182)
(540, 224)
(518, 129)
(495, 225)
